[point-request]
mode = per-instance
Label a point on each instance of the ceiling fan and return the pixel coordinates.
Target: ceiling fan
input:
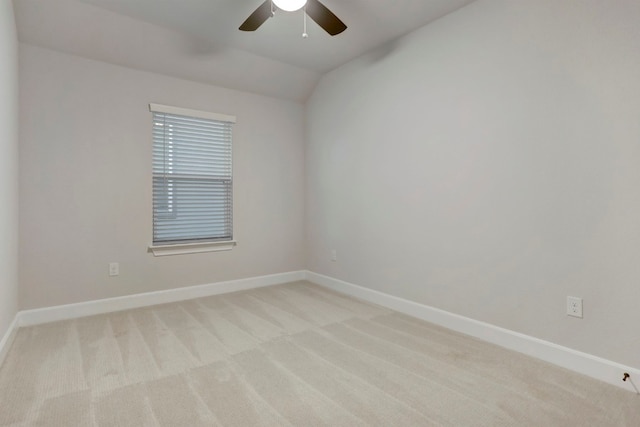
(316, 11)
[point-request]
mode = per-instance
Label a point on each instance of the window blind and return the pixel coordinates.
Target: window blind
(192, 178)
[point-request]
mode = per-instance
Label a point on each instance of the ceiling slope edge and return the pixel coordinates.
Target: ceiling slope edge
(94, 33)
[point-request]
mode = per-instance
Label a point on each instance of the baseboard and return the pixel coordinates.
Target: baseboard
(583, 363)
(108, 305)
(7, 340)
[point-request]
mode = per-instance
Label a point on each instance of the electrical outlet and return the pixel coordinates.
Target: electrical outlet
(114, 269)
(334, 255)
(574, 307)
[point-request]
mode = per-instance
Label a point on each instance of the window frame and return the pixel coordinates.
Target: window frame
(193, 245)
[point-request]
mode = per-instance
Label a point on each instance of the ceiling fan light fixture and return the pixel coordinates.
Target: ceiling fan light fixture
(290, 5)
(326, 19)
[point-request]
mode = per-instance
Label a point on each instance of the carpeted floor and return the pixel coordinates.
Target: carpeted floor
(293, 354)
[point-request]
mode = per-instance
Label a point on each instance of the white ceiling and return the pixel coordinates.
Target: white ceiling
(199, 39)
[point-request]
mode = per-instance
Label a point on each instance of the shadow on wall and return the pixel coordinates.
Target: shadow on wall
(200, 48)
(379, 54)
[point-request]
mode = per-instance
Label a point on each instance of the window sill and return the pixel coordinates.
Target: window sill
(191, 248)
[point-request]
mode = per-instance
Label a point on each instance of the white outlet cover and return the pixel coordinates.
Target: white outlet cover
(114, 269)
(574, 307)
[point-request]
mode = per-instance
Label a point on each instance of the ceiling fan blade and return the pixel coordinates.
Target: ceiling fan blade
(258, 17)
(324, 17)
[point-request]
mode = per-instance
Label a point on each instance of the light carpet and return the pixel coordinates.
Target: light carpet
(289, 355)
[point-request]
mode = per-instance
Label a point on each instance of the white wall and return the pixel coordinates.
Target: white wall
(85, 181)
(488, 165)
(8, 166)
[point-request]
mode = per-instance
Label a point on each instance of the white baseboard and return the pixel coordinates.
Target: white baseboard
(7, 340)
(108, 305)
(583, 363)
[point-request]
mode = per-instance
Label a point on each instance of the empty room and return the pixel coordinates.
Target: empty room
(319, 213)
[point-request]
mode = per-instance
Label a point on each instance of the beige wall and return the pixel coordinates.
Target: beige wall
(8, 167)
(488, 165)
(85, 181)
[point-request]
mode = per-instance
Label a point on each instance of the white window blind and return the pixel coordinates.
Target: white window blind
(192, 176)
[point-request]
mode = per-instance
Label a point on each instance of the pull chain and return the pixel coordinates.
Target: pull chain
(304, 33)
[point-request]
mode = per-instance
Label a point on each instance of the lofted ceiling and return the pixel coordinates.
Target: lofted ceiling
(199, 39)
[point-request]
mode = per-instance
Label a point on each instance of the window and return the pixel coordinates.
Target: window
(192, 181)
